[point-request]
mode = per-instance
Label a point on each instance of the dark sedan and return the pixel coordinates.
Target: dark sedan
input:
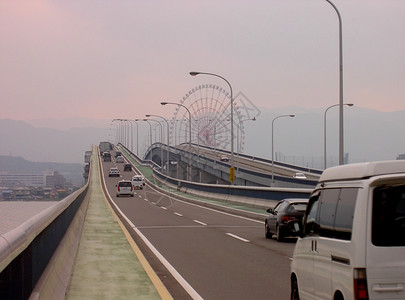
(279, 216)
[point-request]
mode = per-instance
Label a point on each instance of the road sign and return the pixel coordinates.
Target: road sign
(232, 174)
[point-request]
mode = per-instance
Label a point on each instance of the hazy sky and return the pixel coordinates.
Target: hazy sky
(119, 59)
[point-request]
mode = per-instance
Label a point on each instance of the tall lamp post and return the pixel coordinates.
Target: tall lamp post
(341, 148)
(232, 134)
(116, 136)
(237, 137)
(120, 131)
(324, 131)
(272, 145)
(168, 139)
(150, 131)
(137, 134)
(189, 132)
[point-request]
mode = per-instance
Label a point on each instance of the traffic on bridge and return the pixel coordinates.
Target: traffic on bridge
(217, 255)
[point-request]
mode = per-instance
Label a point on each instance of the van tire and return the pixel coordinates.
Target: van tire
(294, 289)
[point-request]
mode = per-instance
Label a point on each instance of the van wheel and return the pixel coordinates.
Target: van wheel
(279, 236)
(294, 290)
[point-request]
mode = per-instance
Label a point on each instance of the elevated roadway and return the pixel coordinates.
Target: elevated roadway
(158, 245)
(207, 166)
(211, 254)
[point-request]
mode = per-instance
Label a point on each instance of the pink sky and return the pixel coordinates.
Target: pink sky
(108, 59)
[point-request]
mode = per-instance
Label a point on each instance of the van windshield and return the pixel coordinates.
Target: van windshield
(388, 228)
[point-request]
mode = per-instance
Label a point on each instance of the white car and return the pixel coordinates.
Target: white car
(352, 236)
(124, 187)
(224, 158)
(300, 176)
(114, 172)
(119, 159)
(138, 182)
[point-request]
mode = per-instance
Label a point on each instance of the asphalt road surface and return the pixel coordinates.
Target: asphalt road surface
(218, 255)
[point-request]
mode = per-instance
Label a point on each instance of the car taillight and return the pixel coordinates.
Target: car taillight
(132, 188)
(286, 219)
(360, 284)
(118, 189)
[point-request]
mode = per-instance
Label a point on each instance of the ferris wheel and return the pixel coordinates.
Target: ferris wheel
(210, 109)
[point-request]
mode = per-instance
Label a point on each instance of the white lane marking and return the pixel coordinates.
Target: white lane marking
(177, 214)
(189, 289)
(199, 222)
(238, 237)
(162, 207)
(207, 208)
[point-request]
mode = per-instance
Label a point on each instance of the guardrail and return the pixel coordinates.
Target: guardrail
(260, 178)
(26, 250)
(259, 197)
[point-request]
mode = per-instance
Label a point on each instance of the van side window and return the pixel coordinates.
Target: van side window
(388, 223)
(311, 227)
(329, 200)
(345, 213)
(332, 214)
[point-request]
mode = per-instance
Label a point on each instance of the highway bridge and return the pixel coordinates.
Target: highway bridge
(206, 166)
(175, 239)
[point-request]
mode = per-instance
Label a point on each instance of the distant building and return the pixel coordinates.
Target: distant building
(401, 156)
(55, 180)
(12, 179)
(49, 179)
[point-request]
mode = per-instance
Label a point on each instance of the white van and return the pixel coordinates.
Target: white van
(352, 237)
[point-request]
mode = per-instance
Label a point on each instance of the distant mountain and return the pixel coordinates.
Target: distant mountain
(18, 138)
(19, 164)
(369, 135)
(71, 171)
(66, 124)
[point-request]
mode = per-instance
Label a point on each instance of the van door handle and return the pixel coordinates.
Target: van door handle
(314, 247)
(392, 288)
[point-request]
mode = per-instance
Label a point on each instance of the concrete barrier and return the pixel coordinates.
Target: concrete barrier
(26, 251)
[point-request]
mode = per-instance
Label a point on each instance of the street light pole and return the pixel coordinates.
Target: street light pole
(272, 145)
(168, 140)
(237, 137)
(137, 133)
(150, 131)
(232, 134)
(119, 130)
(189, 137)
(324, 131)
(341, 148)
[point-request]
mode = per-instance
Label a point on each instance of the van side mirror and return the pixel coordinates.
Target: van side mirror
(295, 227)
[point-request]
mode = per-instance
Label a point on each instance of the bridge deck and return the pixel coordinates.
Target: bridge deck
(107, 265)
